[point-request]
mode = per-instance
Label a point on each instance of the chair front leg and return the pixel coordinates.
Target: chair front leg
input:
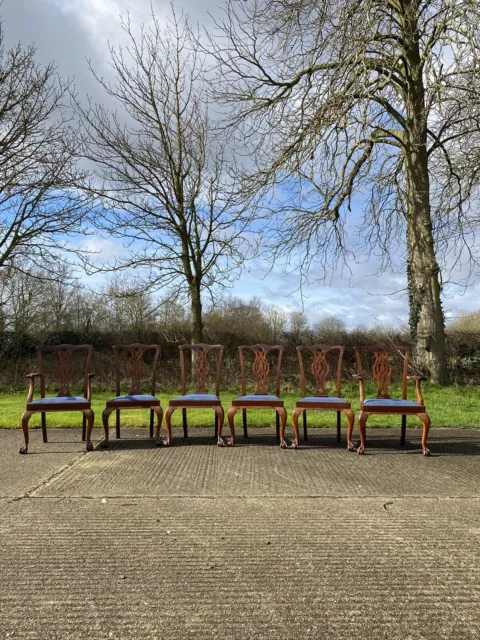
(295, 415)
(158, 411)
(351, 420)
(362, 421)
(105, 416)
(282, 416)
(231, 423)
(219, 420)
(426, 428)
(168, 422)
(88, 416)
(25, 418)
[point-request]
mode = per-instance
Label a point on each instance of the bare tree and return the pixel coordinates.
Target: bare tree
(38, 207)
(298, 327)
(161, 170)
(363, 104)
(276, 320)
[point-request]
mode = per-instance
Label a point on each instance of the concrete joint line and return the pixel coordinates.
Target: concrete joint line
(49, 479)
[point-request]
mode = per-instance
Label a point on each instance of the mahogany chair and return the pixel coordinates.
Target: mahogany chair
(200, 399)
(260, 399)
(383, 404)
(135, 398)
(64, 401)
(321, 401)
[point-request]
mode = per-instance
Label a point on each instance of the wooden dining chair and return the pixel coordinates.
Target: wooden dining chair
(64, 400)
(321, 401)
(202, 363)
(383, 404)
(260, 399)
(135, 399)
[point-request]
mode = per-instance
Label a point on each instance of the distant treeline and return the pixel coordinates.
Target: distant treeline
(40, 312)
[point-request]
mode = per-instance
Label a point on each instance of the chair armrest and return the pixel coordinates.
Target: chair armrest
(88, 391)
(418, 390)
(31, 378)
(361, 384)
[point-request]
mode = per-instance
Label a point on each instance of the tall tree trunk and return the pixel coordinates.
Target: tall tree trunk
(197, 315)
(426, 315)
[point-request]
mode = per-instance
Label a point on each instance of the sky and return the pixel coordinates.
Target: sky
(70, 32)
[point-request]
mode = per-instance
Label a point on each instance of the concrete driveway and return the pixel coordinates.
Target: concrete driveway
(251, 542)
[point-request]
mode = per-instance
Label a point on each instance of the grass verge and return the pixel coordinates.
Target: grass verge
(452, 406)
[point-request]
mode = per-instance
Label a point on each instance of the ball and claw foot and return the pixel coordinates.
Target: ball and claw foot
(166, 442)
(361, 450)
(24, 450)
(89, 446)
(426, 452)
(350, 446)
(104, 445)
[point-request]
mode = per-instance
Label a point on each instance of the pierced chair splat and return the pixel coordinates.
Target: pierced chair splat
(137, 370)
(383, 404)
(202, 354)
(260, 399)
(321, 401)
(64, 401)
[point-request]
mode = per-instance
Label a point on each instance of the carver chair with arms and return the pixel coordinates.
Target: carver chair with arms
(135, 399)
(321, 401)
(64, 401)
(383, 404)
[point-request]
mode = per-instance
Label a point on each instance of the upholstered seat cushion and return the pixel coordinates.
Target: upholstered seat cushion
(384, 405)
(192, 399)
(61, 399)
(260, 400)
(312, 402)
(134, 400)
(69, 402)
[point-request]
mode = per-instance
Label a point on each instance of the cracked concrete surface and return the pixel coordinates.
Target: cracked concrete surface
(250, 542)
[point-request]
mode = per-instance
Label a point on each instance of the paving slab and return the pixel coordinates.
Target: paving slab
(240, 568)
(21, 474)
(133, 466)
(139, 542)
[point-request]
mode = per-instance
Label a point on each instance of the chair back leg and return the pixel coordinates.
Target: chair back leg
(404, 430)
(44, 427)
(245, 429)
(117, 423)
(184, 422)
(305, 435)
(277, 425)
(339, 426)
(152, 414)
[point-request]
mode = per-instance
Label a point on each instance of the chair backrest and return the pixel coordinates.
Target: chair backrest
(201, 365)
(382, 368)
(320, 368)
(65, 367)
(261, 367)
(136, 366)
